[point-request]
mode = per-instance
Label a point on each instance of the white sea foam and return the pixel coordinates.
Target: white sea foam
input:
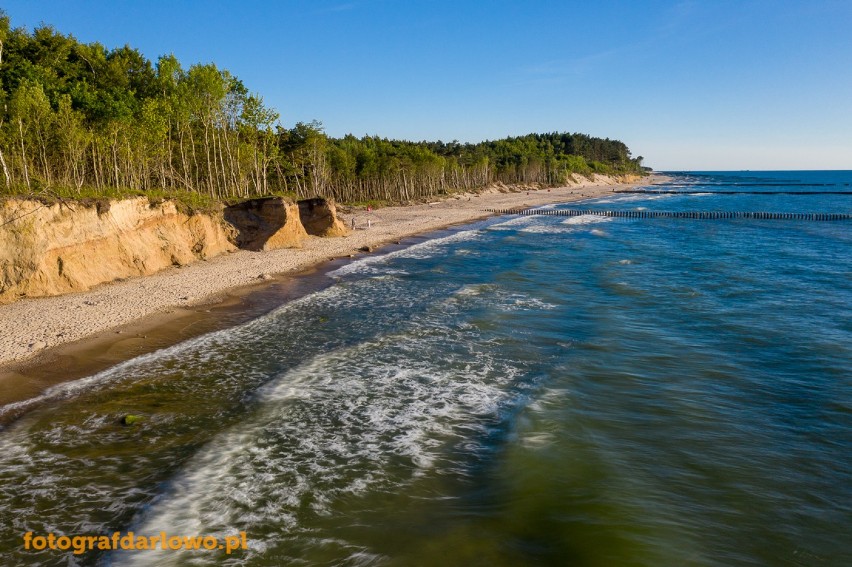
(523, 303)
(547, 229)
(475, 290)
(197, 349)
(586, 219)
(634, 197)
(548, 225)
(427, 249)
(497, 298)
(514, 223)
(537, 440)
(374, 416)
(110, 376)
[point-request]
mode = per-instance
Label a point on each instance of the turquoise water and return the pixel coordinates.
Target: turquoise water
(522, 391)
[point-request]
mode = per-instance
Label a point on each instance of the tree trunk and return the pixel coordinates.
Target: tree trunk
(3, 162)
(24, 152)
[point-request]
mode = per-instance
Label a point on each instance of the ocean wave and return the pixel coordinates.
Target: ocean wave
(493, 296)
(423, 250)
(625, 198)
(547, 229)
(586, 219)
(513, 223)
(373, 417)
(197, 351)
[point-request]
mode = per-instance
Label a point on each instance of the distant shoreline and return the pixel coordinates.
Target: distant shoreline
(91, 322)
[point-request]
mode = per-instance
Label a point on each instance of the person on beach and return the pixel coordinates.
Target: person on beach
(353, 223)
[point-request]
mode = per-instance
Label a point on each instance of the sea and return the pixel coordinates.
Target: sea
(524, 390)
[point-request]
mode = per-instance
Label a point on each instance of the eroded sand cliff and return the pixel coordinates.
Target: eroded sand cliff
(64, 247)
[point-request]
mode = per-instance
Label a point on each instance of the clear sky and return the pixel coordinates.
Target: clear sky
(715, 84)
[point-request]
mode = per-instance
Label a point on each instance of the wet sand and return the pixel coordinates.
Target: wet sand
(46, 341)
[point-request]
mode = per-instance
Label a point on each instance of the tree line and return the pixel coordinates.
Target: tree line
(80, 118)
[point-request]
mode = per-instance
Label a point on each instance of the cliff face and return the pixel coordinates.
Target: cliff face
(266, 224)
(319, 217)
(59, 248)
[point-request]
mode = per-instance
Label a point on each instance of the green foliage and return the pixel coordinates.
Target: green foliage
(131, 419)
(393, 170)
(83, 121)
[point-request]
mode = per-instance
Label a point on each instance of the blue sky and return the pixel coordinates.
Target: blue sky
(688, 85)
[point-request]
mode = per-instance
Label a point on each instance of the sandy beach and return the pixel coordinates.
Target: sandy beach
(32, 327)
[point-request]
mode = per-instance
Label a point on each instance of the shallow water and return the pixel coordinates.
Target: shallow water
(524, 391)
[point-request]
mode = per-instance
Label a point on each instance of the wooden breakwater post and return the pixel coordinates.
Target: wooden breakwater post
(697, 215)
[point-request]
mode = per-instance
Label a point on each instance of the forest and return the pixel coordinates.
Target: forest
(81, 120)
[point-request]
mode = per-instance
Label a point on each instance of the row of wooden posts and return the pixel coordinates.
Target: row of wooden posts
(677, 214)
